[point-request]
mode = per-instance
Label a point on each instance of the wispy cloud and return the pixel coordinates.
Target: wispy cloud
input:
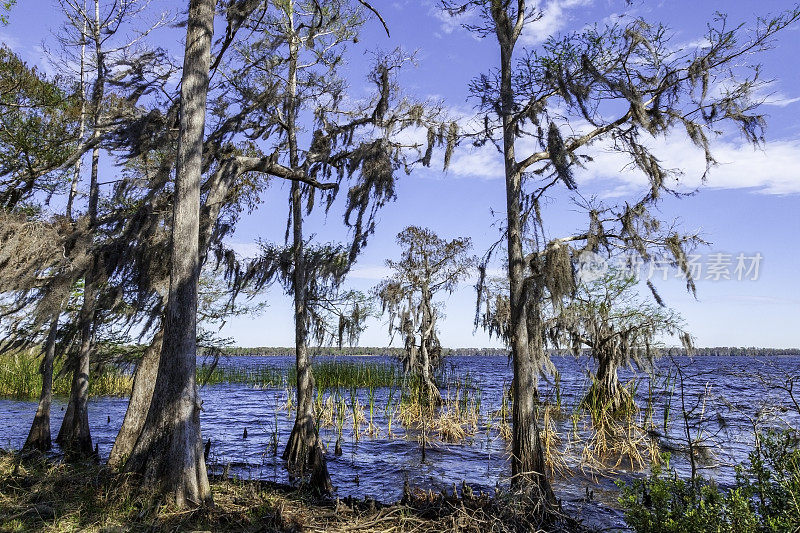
(779, 99)
(374, 273)
(773, 168)
(753, 299)
(9, 40)
(554, 18)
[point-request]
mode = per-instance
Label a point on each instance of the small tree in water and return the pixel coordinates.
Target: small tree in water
(313, 277)
(429, 265)
(619, 327)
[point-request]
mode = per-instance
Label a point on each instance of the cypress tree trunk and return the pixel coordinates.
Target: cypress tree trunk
(432, 394)
(147, 370)
(527, 455)
(169, 450)
(73, 190)
(606, 392)
(303, 453)
(75, 436)
(39, 435)
(139, 404)
(410, 362)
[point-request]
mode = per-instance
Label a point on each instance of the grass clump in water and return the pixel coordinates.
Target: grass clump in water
(257, 377)
(333, 375)
(328, 375)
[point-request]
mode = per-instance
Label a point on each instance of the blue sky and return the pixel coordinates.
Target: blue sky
(750, 204)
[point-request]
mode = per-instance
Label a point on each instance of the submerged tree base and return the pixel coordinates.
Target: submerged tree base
(305, 459)
(609, 399)
(37, 494)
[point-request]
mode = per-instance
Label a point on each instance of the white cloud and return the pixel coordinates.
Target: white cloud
(771, 169)
(471, 162)
(554, 18)
(450, 23)
(779, 99)
(9, 40)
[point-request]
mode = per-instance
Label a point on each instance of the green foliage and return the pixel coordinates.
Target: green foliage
(766, 496)
(39, 121)
(772, 477)
(5, 6)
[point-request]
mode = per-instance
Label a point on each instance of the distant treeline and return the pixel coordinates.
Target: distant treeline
(394, 352)
(750, 351)
(346, 350)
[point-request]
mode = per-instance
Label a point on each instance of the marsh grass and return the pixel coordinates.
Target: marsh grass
(20, 378)
(601, 409)
(583, 435)
(334, 375)
(328, 375)
(261, 377)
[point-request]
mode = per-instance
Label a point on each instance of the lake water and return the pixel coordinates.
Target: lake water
(730, 394)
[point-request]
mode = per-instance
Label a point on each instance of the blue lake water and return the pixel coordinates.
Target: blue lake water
(730, 394)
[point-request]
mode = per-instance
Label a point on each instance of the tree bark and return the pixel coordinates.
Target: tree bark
(139, 404)
(73, 189)
(527, 456)
(147, 370)
(169, 450)
(39, 435)
(303, 454)
(75, 436)
(432, 394)
(606, 392)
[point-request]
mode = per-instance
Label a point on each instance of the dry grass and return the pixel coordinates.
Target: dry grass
(39, 495)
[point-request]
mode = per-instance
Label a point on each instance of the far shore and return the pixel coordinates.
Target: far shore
(494, 352)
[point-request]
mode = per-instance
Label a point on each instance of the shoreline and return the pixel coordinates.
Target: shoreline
(38, 493)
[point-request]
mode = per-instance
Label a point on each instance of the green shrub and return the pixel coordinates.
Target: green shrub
(766, 496)
(772, 479)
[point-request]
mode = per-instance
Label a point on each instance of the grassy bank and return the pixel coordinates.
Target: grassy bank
(39, 495)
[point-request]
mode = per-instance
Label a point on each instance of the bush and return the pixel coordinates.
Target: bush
(766, 496)
(772, 480)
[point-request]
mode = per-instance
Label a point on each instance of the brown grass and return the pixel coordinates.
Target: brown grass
(37, 494)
